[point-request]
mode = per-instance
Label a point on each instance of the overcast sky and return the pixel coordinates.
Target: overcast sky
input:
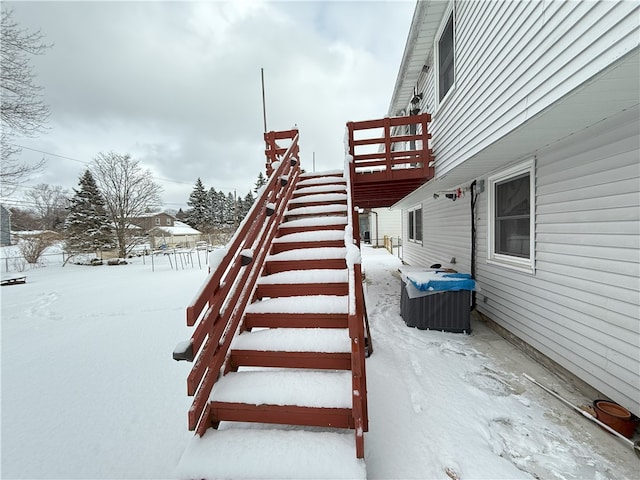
(177, 84)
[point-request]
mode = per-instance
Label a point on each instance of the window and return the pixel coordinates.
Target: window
(415, 224)
(512, 220)
(169, 221)
(446, 59)
(157, 221)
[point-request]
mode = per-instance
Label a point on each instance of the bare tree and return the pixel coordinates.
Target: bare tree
(23, 110)
(128, 192)
(49, 203)
(33, 246)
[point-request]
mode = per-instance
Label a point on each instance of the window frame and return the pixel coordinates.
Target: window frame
(511, 261)
(447, 17)
(412, 225)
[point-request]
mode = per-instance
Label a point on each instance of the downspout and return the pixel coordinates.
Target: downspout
(377, 231)
(474, 198)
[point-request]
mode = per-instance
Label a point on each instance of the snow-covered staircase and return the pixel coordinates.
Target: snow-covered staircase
(279, 326)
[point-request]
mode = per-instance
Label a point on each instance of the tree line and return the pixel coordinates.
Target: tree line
(212, 211)
(111, 194)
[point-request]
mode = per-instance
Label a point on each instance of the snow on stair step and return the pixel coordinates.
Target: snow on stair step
(319, 180)
(316, 210)
(305, 276)
(314, 236)
(334, 188)
(315, 222)
(321, 253)
(305, 304)
(326, 340)
(285, 387)
(269, 453)
(320, 197)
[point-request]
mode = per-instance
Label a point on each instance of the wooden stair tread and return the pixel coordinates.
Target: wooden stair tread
(320, 253)
(324, 188)
(325, 454)
(312, 236)
(305, 276)
(302, 388)
(322, 304)
(316, 210)
(306, 180)
(319, 198)
(315, 221)
(295, 340)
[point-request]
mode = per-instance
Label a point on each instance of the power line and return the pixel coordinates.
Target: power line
(89, 163)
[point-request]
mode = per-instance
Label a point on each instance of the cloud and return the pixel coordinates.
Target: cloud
(177, 84)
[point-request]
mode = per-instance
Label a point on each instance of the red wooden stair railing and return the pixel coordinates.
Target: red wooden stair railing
(218, 311)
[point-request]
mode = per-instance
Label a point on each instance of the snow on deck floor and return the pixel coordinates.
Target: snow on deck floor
(271, 454)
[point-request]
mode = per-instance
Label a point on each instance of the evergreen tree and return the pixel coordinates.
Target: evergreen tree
(180, 215)
(198, 214)
(221, 200)
(261, 181)
(214, 208)
(87, 226)
(230, 210)
(246, 204)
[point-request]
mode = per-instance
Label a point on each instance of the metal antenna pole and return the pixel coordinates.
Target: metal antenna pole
(264, 108)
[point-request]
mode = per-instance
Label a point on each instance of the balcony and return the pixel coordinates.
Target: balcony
(391, 158)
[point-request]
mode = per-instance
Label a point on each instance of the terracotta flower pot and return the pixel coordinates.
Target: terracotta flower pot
(616, 416)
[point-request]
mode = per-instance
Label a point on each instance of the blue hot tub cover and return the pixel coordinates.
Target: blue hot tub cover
(439, 281)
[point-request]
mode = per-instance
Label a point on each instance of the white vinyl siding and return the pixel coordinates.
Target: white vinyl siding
(582, 306)
(500, 83)
(389, 224)
(446, 235)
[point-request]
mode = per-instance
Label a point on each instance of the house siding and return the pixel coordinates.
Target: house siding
(389, 224)
(446, 234)
(5, 226)
(515, 59)
(581, 308)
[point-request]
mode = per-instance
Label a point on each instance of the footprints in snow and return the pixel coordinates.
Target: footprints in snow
(42, 307)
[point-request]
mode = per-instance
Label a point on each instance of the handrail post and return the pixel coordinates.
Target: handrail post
(387, 146)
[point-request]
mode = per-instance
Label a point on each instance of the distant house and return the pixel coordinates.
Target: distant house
(5, 226)
(178, 235)
(535, 133)
(149, 221)
(164, 229)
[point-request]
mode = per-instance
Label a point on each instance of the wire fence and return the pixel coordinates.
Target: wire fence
(174, 258)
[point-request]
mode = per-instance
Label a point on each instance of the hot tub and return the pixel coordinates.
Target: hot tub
(436, 300)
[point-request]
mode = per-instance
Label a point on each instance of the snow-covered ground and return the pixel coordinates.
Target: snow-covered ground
(89, 388)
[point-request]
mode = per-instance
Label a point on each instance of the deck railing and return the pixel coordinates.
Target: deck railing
(359, 348)
(217, 309)
(403, 146)
(274, 151)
